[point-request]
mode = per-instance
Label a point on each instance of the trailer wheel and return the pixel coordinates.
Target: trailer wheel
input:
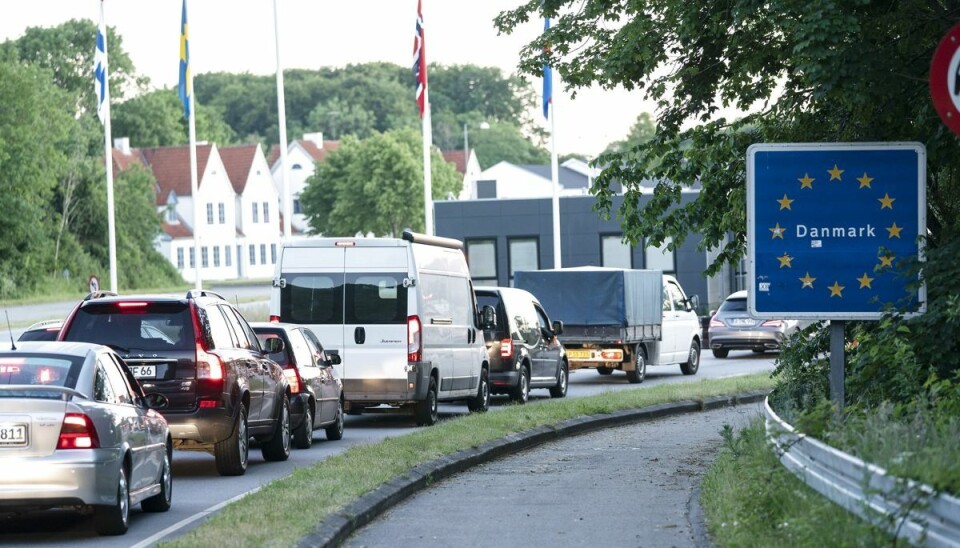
(639, 371)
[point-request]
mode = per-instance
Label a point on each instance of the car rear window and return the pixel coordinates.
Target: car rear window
(40, 369)
(279, 357)
(734, 305)
(134, 326)
(375, 298)
(46, 334)
(312, 299)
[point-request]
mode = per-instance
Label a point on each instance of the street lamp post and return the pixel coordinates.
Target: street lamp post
(466, 139)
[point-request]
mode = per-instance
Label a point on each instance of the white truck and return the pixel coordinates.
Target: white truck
(616, 318)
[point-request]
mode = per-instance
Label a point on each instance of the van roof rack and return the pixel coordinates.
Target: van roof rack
(419, 238)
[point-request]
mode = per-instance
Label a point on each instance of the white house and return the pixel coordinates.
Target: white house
(302, 157)
(507, 180)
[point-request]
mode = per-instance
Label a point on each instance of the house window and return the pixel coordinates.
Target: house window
(256, 214)
(209, 214)
(273, 253)
(216, 256)
(524, 254)
(227, 256)
(296, 166)
(266, 212)
(253, 254)
(660, 258)
(223, 213)
(193, 257)
(486, 189)
(482, 260)
(203, 257)
(180, 258)
(614, 252)
(171, 214)
(296, 206)
(263, 253)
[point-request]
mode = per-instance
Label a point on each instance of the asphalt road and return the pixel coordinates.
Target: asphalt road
(199, 490)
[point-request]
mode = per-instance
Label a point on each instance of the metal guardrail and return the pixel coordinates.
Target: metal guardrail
(905, 508)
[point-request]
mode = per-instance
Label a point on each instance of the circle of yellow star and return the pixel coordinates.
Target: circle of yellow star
(836, 289)
(785, 261)
(806, 182)
(865, 281)
(777, 232)
(865, 180)
(807, 281)
(886, 201)
(835, 173)
(886, 260)
(785, 202)
(894, 230)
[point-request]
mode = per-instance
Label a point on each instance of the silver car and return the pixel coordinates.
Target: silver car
(732, 328)
(76, 429)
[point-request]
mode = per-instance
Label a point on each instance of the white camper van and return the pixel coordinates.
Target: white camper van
(400, 312)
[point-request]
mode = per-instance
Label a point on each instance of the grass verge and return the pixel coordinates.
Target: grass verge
(287, 509)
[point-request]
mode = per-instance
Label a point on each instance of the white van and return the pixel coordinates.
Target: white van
(400, 312)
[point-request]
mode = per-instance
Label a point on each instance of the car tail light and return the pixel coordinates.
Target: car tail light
(274, 319)
(209, 365)
(293, 377)
(414, 340)
(127, 305)
(77, 432)
(772, 323)
(714, 322)
(506, 348)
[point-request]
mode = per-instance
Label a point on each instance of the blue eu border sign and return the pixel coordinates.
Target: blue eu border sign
(833, 229)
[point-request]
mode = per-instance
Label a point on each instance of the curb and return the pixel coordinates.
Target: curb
(336, 528)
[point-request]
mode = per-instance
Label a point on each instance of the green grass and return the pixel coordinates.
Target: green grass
(287, 509)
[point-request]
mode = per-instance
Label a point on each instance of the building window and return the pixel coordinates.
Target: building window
(486, 189)
(227, 256)
(263, 253)
(171, 214)
(273, 253)
(223, 213)
(203, 257)
(193, 257)
(209, 214)
(614, 252)
(256, 213)
(216, 256)
(180, 258)
(523, 254)
(482, 259)
(266, 212)
(296, 206)
(660, 258)
(253, 254)
(296, 166)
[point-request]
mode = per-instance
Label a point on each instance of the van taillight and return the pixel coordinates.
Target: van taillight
(78, 432)
(506, 348)
(293, 377)
(274, 319)
(414, 341)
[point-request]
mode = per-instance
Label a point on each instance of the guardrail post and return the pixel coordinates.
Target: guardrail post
(836, 364)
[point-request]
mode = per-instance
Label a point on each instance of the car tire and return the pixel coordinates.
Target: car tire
(114, 519)
(277, 448)
(303, 435)
(481, 402)
(233, 453)
(334, 431)
(692, 365)
(639, 372)
(563, 379)
(720, 353)
(758, 350)
(520, 394)
(426, 411)
(162, 500)
(605, 370)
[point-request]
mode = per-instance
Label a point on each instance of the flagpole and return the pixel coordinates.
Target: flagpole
(427, 175)
(555, 178)
(108, 161)
(282, 117)
(191, 122)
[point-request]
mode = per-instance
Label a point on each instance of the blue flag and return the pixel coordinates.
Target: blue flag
(547, 79)
(185, 88)
(100, 68)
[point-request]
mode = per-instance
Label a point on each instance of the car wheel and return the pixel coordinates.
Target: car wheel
(639, 367)
(232, 453)
(521, 393)
(426, 411)
(334, 431)
(303, 435)
(692, 364)
(277, 448)
(161, 501)
(720, 353)
(560, 390)
(481, 402)
(113, 519)
(605, 370)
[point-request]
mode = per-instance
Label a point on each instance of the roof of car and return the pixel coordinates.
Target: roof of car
(273, 325)
(75, 349)
(742, 294)
(45, 324)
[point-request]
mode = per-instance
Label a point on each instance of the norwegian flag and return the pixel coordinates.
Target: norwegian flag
(420, 61)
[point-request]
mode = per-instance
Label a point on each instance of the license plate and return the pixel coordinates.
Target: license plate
(144, 371)
(579, 354)
(13, 434)
(743, 321)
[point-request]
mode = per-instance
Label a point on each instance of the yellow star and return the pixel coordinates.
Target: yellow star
(865, 180)
(886, 201)
(785, 261)
(777, 232)
(785, 202)
(894, 230)
(835, 173)
(886, 260)
(865, 281)
(806, 182)
(807, 281)
(836, 290)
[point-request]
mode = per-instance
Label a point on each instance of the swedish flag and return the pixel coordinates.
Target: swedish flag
(185, 89)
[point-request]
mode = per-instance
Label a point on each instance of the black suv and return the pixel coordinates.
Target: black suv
(201, 354)
(522, 344)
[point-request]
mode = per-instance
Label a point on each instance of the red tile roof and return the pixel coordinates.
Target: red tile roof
(458, 158)
(238, 161)
(171, 168)
(311, 147)
(123, 161)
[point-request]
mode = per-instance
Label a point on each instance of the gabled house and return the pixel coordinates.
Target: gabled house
(468, 166)
(302, 157)
(507, 180)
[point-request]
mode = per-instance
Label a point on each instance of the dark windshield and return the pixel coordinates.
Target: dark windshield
(734, 305)
(40, 369)
(134, 326)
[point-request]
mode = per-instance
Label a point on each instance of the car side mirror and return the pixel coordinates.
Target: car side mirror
(333, 359)
(155, 401)
(693, 302)
(488, 317)
(273, 345)
(557, 327)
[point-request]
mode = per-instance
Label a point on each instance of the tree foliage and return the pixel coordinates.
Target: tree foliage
(642, 130)
(155, 119)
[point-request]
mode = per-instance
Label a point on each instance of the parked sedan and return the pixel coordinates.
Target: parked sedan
(77, 430)
(732, 328)
(316, 394)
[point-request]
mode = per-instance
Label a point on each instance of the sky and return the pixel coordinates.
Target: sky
(237, 36)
